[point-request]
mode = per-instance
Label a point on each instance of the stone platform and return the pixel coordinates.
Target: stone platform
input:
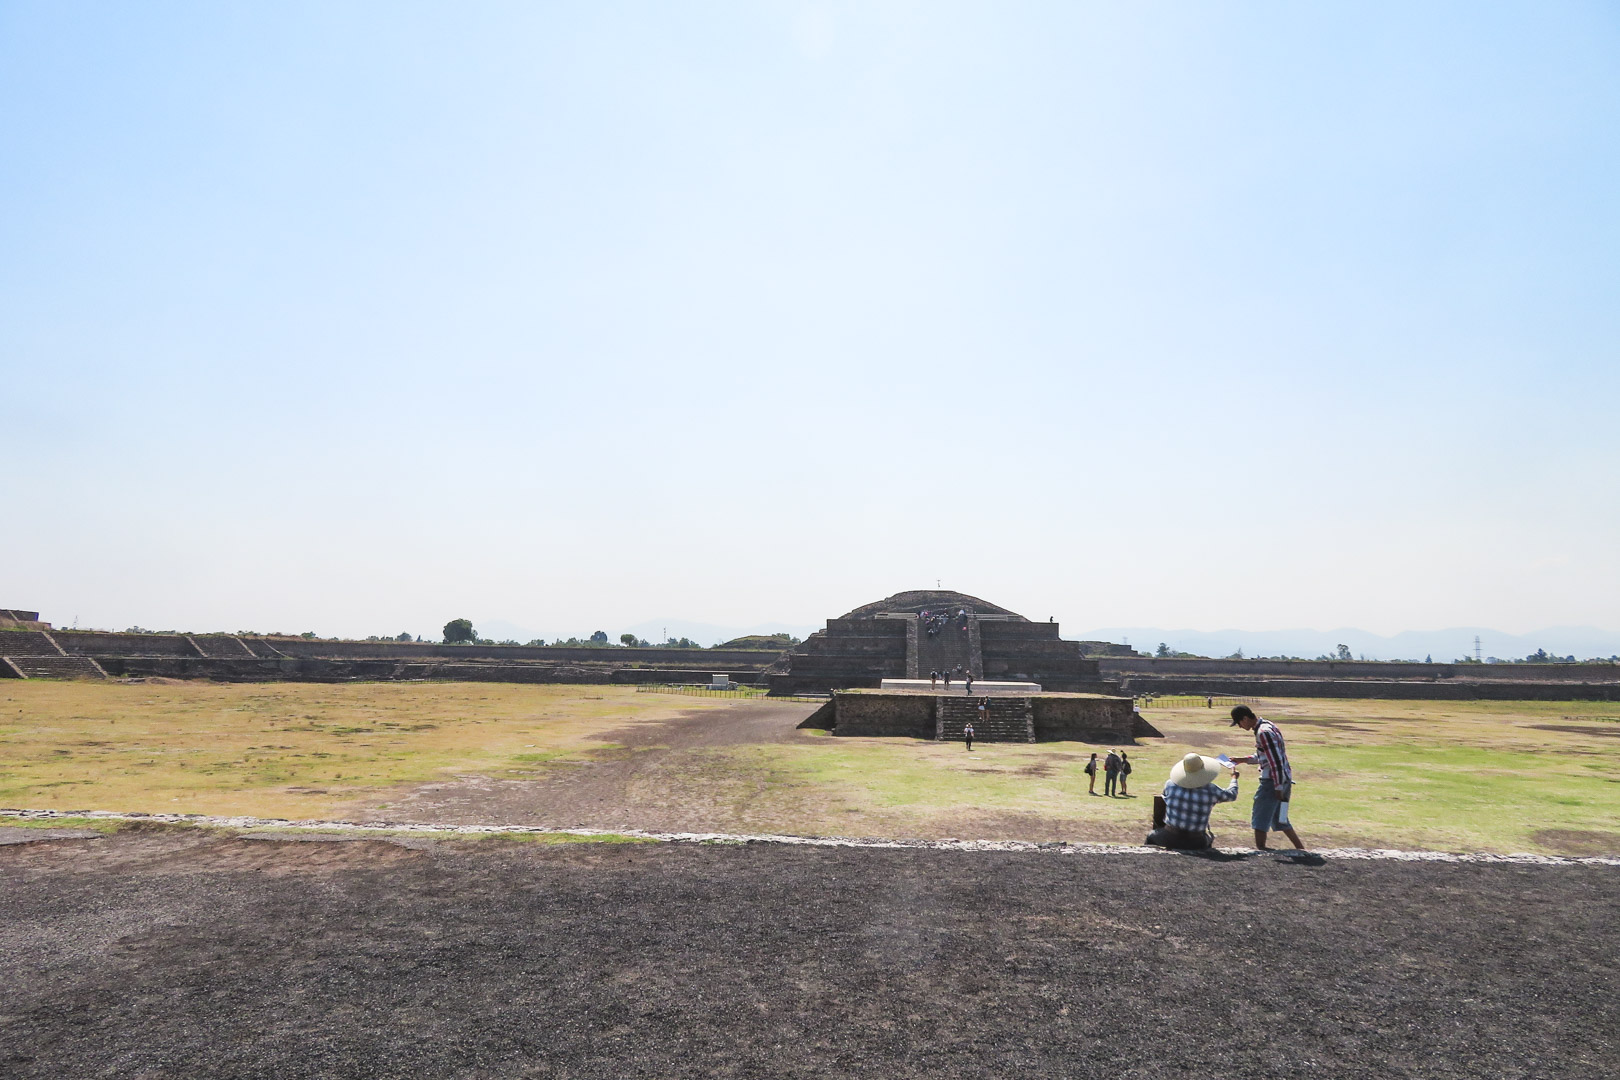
(958, 687)
(1089, 718)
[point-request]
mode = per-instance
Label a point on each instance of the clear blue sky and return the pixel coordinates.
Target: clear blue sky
(359, 317)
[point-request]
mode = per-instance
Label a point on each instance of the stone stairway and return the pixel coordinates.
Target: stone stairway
(950, 648)
(1007, 719)
(261, 648)
(56, 667)
(28, 643)
(220, 646)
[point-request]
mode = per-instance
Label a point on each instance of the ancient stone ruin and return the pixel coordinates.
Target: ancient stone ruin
(1029, 684)
(911, 634)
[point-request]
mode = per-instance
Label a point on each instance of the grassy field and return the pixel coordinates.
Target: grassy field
(285, 749)
(1456, 776)
(1467, 776)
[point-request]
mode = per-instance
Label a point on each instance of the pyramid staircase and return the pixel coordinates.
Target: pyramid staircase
(946, 650)
(53, 667)
(1006, 719)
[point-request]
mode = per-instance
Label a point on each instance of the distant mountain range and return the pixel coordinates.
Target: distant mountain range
(1582, 642)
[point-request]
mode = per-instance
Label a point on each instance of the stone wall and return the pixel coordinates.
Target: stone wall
(1083, 718)
(330, 669)
(93, 643)
(756, 659)
(875, 713)
(1365, 679)
(850, 654)
(1394, 689)
(1073, 717)
(1119, 667)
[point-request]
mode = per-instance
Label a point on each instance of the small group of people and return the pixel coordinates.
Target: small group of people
(957, 672)
(1116, 769)
(1181, 814)
(935, 621)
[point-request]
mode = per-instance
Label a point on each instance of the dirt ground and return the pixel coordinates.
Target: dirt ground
(659, 777)
(1448, 776)
(182, 953)
(654, 779)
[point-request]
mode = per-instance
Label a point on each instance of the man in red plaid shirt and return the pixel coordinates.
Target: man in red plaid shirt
(1276, 786)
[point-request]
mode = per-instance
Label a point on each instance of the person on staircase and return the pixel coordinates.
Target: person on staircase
(1110, 774)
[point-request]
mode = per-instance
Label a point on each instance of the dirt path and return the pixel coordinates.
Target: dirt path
(660, 776)
(159, 953)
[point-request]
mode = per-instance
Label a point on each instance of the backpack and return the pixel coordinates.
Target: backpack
(1124, 766)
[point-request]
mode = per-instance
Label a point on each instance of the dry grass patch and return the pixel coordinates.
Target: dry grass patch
(286, 749)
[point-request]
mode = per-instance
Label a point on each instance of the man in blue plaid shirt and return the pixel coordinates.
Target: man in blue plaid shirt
(1189, 796)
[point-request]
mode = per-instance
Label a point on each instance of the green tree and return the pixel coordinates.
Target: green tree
(1344, 653)
(459, 632)
(599, 637)
(1162, 650)
(627, 640)
(404, 637)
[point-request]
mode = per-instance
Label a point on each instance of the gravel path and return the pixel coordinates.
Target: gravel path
(163, 952)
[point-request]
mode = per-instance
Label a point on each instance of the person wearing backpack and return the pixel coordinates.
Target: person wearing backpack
(1091, 773)
(1124, 773)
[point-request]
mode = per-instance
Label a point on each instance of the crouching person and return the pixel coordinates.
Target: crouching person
(1181, 815)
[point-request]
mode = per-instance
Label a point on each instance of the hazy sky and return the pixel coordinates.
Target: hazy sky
(357, 318)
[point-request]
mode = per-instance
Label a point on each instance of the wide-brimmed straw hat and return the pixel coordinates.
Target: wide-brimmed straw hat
(1194, 771)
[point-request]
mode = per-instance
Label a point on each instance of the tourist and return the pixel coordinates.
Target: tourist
(1276, 787)
(969, 677)
(933, 680)
(1124, 773)
(1091, 773)
(947, 680)
(967, 733)
(1110, 773)
(1181, 815)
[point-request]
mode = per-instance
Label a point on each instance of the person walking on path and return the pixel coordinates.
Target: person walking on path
(1110, 773)
(1181, 815)
(933, 680)
(1091, 773)
(969, 678)
(1276, 787)
(967, 733)
(1124, 774)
